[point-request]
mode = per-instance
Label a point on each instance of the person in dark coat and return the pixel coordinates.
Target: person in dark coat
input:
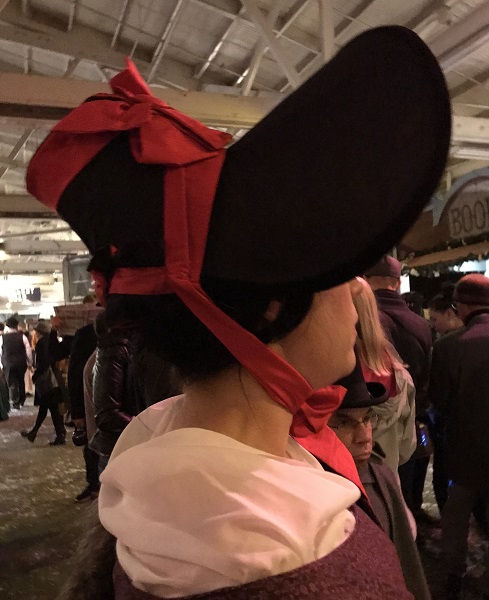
(411, 336)
(445, 322)
(462, 400)
(50, 395)
(16, 356)
(83, 345)
(4, 395)
(409, 333)
(353, 422)
(114, 398)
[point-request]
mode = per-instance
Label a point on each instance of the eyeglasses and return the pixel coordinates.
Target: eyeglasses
(348, 425)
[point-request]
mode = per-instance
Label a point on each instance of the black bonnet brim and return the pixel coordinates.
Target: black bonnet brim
(335, 175)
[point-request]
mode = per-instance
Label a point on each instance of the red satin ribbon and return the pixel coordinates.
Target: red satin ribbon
(193, 156)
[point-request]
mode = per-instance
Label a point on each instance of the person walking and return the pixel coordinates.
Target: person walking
(48, 382)
(16, 356)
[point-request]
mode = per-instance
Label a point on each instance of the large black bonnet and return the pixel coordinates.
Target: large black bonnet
(335, 175)
(314, 193)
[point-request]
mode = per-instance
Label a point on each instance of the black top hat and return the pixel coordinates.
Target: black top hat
(360, 394)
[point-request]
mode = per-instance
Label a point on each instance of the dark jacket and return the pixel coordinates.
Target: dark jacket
(443, 354)
(83, 346)
(59, 350)
(14, 355)
(459, 390)
(44, 361)
(113, 388)
(399, 530)
(409, 333)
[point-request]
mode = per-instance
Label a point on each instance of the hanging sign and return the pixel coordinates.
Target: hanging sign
(468, 210)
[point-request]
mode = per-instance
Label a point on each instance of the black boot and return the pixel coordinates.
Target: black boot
(30, 435)
(58, 441)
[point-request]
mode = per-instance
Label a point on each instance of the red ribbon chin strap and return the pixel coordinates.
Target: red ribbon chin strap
(193, 156)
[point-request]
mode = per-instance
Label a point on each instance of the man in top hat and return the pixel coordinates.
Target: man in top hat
(16, 356)
(353, 423)
(463, 402)
(411, 336)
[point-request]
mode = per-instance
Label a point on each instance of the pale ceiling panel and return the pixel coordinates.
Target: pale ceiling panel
(454, 79)
(52, 64)
(13, 53)
(462, 8)
(392, 12)
(197, 32)
(59, 9)
(476, 63)
(472, 102)
(101, 15)
(88, 70)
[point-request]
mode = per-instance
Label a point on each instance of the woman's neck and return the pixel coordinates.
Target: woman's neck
(235, 404)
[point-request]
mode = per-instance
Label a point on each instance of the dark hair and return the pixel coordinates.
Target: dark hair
(170, 330)
(12, 323)
(444, 300)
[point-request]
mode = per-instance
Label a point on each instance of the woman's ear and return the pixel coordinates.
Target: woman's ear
(273, 311)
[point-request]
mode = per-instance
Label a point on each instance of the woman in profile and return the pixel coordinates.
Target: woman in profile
(234, 265)
(443, 315)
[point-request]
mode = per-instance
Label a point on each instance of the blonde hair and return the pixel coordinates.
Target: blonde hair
(374, 348)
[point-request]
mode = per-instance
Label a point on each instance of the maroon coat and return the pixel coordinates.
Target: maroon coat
(365, 567)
